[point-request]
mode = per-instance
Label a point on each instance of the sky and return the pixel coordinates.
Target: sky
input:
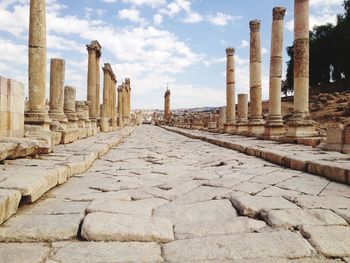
(180, 43)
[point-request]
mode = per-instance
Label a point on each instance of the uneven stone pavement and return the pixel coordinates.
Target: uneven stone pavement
(162, 197)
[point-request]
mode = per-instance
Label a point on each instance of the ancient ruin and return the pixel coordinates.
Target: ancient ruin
(83, 181)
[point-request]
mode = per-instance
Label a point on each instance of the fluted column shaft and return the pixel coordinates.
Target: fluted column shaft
(230, 86)
(255, 73)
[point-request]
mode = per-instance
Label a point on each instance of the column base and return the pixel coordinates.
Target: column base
(38, 118)
(56, 115)
(82, 129)
(105, 124)
(300, 126)
(230, 128)
(212, 125)
(256, 126)
(274, 129)
(338, 139)
(71, 134)
(241, 128)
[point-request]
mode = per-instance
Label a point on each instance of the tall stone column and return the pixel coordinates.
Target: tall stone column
(230, 91)
(242, 120)
(167, 109)
(113, 103)
(57, 72)
(127, 82)
(120, 106)
(274, 125)
(98, 85)
(37, 113)
(256, 122)
(300, 124)
(94, 50)
(69, 104)
(124, 104)
(106, 107)
(222, 118)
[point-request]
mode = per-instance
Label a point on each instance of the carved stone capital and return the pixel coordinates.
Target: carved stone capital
(255, 25)
(230, 51)
(278, 13)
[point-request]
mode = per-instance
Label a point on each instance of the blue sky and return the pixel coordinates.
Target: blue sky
(154, 42)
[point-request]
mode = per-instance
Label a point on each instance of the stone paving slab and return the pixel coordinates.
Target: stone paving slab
(23, 252)
(111, 252)
(28, 228)
(331, 241)
(34, 177)
(283, 244)
(332, 165)
(115, 227)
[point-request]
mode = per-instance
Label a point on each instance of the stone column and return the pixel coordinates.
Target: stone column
(127, 82)
(94, 50)
(222, 118)
(69, 104)
(98, 85)
(242, 120)
(256, 122)
(300, 124)
(37, 113)
(113, 103)
(167, 105)
(124, 106)
(230, 91)
(106, 107)
(120, 106)
(274, 125)
(57, 71)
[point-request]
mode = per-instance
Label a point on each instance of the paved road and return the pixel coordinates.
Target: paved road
(161, 197)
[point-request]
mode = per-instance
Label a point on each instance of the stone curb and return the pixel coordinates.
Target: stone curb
(335, 169)
(26, 180)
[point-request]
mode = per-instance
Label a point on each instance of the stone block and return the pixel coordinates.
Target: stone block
(9, 201)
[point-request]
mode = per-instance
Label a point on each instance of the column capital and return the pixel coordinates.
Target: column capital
(255, 25)
(278, 13)
(230, 51)
(95, 46)
(127, 81)
(301, 1)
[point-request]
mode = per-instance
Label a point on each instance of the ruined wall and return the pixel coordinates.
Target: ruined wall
(11, 108)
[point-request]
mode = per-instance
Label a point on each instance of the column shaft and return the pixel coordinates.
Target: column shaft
(98, 81)
(57, 72)
(91, 92)
(242, 109)
(230, 87)
(106, 92)
(255, 73)
(69, 103)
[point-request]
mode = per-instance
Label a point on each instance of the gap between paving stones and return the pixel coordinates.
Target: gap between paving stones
(332, 165)
(24, 181)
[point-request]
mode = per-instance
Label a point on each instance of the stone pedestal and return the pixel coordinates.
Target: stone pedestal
(79, 108)
(72, 132)
(256, 122)
(242, 118)
(300, 124)
(274, 126)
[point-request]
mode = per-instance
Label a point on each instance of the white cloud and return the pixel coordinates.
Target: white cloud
(158, 19)
(192, 18)
(325, 2)
(221, 19)
(132, 15)
(152, 3)
(244, 44)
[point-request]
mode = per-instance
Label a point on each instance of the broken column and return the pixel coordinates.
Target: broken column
(242, 118)
(80, 110)
(256, 122)
(230, 91)
(222, 118)
(300, 123)
(274, 125)
(72, 132)
(37, 115)
(120, 107)
(167, 112)
(56, 113)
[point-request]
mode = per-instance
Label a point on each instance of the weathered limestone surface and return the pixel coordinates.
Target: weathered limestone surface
(116, 227)
(182, 198)
(23, 253)
(11, 108)
(230, 91)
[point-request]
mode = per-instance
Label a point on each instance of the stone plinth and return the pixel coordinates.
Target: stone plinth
(79, 108)
(222, 118)
(256, 122)
(301, 124)
(72, 132)
(11, 108)
(274, 126)
(338, 139)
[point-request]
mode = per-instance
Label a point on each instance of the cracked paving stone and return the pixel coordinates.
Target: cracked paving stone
(331, 241)
(252, 205)
(115, 227)
(321, 202)
(281, 244)
(29, 228)
(344, 213)
(110, 252)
